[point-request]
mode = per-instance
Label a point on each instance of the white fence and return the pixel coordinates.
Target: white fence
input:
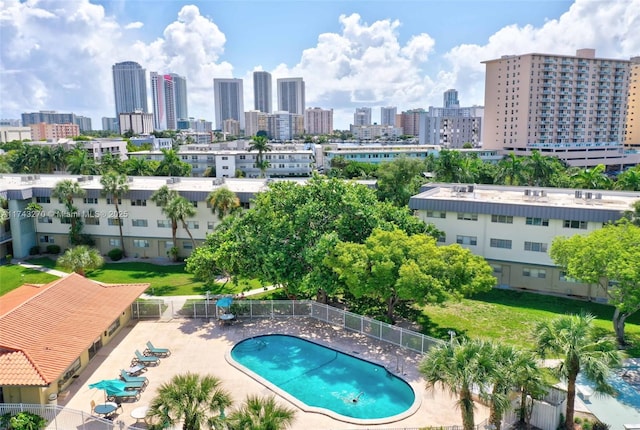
(546, 412)
(290, 308)
(59, 418)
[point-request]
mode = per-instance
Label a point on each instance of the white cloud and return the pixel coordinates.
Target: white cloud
(134, 25)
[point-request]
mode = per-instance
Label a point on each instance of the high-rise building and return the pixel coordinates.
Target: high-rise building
(291, 95)
(318, 121)
(44, 131)
(632, 122)
(84, 122)
(229, 101)
(136, 122)
(163, 97)
(48, 117)
(410, 121)
(388, 115)
(362, 116)
(451, 99)
(180, 96)
(262, 99)
(110, 124)
(555, 102)
(255, 121)
(129, 87)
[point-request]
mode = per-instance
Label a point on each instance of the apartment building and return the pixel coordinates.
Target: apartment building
(375, 131)
(318, 121)
(44, 131)
(286, 160)
(514, 227)
(632, 121)
(10, 133)
(372, 153)
(571, 107)
(146, 231)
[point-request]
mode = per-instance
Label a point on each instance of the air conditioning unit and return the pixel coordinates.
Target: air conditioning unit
(588, 196)
(578, 194)
(598, 196)
(527, 192)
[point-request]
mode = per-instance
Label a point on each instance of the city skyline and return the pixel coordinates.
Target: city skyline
(352, 54)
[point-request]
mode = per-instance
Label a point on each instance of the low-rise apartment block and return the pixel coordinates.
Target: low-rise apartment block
(514, 227)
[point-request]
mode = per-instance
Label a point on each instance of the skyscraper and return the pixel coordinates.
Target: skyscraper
(262, 91)
(165, 92)
(129, 87)
(228, 100)
(451, 99)
(362, 116)
(180, 96)
(388, 115)
(318, 121)
(291, 96)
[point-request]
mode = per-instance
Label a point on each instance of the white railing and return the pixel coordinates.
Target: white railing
(292, 308)
(60, 418)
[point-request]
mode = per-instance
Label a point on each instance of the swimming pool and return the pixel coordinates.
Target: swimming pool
(626, 393)
(325, 380)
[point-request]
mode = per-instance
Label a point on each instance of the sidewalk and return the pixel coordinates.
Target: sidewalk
(54, 272)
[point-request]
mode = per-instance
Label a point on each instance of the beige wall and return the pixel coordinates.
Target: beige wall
(632, 125)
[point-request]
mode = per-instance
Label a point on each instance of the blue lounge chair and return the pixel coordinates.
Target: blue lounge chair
(158, 352)
(134, 379)
(142, 359)
(127, 395)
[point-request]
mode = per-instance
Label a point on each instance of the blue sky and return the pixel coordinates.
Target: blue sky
(57, 54)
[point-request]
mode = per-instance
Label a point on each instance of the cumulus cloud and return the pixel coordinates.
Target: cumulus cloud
(134, 25)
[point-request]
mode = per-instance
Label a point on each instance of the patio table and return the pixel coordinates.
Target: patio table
(135, 370)
(105, 409)
(140, 413)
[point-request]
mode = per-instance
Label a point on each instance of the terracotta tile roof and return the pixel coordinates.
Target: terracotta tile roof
(20, 295)
(47, 332)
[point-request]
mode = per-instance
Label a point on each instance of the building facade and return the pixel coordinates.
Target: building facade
(318, 121)
(44, 131)
(373, 132)
(110, 124)
(513, 228)
(388, 115)
(129, 88)
(410, 122)
(632, 120)
(291, 95)
(372, 153)
(559, 105)
(180, 96)
(48, 117)
(255, 121)
(84, 122)
(362, 116)
(450, 99)
(450, 131)
(229, 101)
(136, 122)
(10, 133)
(262, 94)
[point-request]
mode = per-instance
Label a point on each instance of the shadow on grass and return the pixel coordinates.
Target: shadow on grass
(429, 328)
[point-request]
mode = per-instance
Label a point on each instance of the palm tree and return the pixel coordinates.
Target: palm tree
(629, 180)
(593, 179)
(634, 215)
(171, 165)
(458, 367)
(540, 169)
(59, 158)
(573, 337)
(449, 166)
(260, 144)
(179, 208)
(34, 210)
(66, 190)
(138, 166)
(223, 201)
(190, 398)
(4, 213)
(162, 197)
(510, 170)
(80, 259)
(110, 162)
(79, 163)
(261, 414)
(114, 186)
(529, 379)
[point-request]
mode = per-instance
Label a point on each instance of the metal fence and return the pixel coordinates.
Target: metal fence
(409, 339)
(60, 418)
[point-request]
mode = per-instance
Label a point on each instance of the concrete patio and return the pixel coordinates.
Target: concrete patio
(199, 346)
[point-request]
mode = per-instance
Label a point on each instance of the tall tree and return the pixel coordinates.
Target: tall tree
(511, 171)
(592, 178)
(114, 186)
(582, 349)
(110, 162)
(608, 258)
(539, 169)
(179, 209)
(260, 144)
(449, 166)
(80, 259)
(162, 197)
(629, 180)
(458, 367)
(223, 201)
(80, 163)
(138, 166)
(171, 165)
(399, 179)
(189, 398)
(66, 190)
(261, 414)
(393, 266)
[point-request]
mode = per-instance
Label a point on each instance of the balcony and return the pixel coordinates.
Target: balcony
(5, 237)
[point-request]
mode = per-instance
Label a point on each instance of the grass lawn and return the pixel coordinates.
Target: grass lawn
(168, 280)
(12, 276)
(510, 316)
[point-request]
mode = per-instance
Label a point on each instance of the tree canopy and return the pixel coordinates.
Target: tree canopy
(609, 258)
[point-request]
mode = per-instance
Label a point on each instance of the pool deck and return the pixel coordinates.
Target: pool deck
(199, 346)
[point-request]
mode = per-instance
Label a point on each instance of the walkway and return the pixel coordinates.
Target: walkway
(48, 270)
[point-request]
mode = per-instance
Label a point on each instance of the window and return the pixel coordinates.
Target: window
(537, 221)
(164, 223)
(564, 278)
(467, 216)
(114, 242)
(43, 199)
(168, 244)
(530, 272)
(47, 239)
(65, 220)
(114, 221)
(467, 240)
(568, 223)
(90, 200)
(497, 269)
(71, 370)
(436, 214)
(138, 202)
(139, 223)
(503, 219)
(45, 220)
(92, 220)
(535, 246)
(500, 243)
(194, 225)
(442, 238)
(114, 326)
(187, 245)
(210, 225)
(140, 243)
(110, 201)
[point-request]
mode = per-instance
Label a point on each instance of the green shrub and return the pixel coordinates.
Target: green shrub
(115, 254)
(587, 425)
(53, 249)
(27, 421)
(577, 420)
(599, 425)
(34, 250)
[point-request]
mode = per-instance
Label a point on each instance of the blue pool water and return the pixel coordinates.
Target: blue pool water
(325, 378)
(627, 394)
